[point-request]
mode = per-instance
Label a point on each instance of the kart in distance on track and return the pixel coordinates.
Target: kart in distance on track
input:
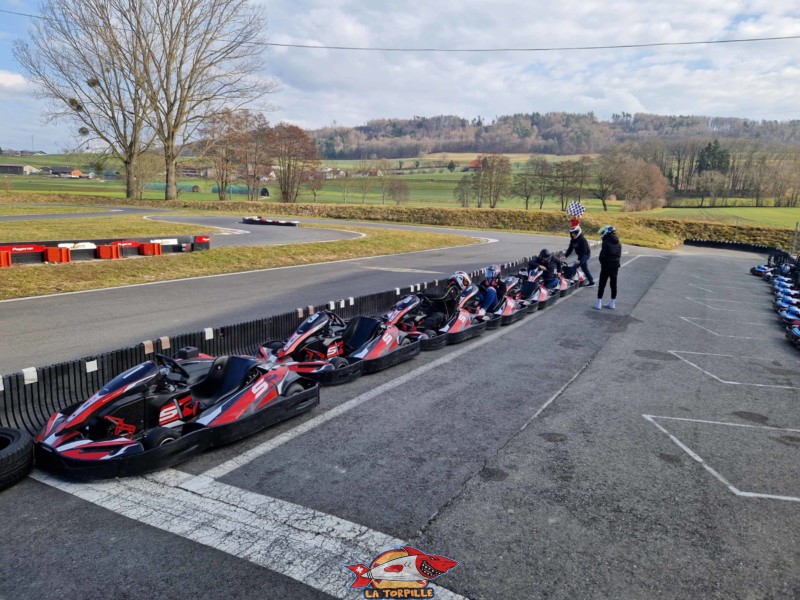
(165, 410)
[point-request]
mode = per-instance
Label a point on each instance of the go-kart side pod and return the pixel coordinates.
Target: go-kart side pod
(195, 437)
(463, 326)
(395, 357)
(793, 335)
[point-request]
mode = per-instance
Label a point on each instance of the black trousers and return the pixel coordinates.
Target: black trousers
(607, 274)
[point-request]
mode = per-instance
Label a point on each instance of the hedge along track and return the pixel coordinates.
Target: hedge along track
(16, 456)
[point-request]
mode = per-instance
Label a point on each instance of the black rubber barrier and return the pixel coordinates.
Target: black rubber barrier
(731, 245)
(30, 397)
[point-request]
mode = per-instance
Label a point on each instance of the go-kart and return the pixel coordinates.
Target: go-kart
(511, 307)
(163, 411)
(315, 350)
(793, 335)
(329, 350)
(465, 323)
(420, 316)
(533, 290)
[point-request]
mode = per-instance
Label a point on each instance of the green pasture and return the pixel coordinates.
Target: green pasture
(744, 215)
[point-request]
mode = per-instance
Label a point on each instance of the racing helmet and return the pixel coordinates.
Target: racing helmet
(492, 272)
(459, 279)
(606, 229)
(545, 254)
(576, 231)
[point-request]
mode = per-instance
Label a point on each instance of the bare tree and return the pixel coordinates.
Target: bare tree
(398, 191)
(220, 139)
(191, 58)
(362, 181)
(314, 181)
(80, 64)
(463, 191)
(295, 155)
(384, 166)
(543, 173)
(346, 185)
(252, 150)
(493, 182)
(524, 184)
(607, 172)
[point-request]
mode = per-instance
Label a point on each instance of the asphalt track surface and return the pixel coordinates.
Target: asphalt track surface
(647, 452)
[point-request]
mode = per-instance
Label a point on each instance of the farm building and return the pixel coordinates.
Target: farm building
(11, 169)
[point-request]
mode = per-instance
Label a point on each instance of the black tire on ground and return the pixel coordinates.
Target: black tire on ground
(405, 341)
(338, 363)
(430, 333)
(16, 456)
(158, 437)
(294, 389)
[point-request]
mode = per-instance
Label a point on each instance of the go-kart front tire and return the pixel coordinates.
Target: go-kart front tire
(158, 437)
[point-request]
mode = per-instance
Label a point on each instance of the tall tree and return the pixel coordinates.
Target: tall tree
(524, 185)
(493, 182)
(463, 191)
(190, 59)
(607, 172)
(252, 151)
(220, 139)
(81, 65)
(295, 155)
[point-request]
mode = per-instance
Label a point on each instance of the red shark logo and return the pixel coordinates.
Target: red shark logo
(406, 567)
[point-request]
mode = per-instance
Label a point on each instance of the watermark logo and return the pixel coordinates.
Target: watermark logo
(400, 573)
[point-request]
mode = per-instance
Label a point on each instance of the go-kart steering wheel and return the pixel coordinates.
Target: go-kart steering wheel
(336, 319)
(172, 365)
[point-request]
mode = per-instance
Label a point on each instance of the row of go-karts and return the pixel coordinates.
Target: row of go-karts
(782, 272)
(170, 408)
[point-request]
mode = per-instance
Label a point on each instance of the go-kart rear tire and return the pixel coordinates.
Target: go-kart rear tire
(338, 363)
(158, 437)
(294, 389)
(430, 333)
(16, 456)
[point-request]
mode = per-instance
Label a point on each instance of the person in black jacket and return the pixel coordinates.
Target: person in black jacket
(610, 254)
(579, 244)
(549, 265)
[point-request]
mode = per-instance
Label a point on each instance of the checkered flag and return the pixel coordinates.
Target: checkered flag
(575, 209)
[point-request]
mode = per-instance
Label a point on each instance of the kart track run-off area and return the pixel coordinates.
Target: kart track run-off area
(652, 451)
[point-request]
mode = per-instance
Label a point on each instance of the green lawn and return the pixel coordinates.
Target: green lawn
(776, 217)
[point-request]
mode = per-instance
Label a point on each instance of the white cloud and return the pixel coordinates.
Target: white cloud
(318, 87)
(12, 82)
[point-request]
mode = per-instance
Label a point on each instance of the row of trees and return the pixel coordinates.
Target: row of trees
(240, 144)
(717, 170)
(552, 133)
(145, 75)
(639, 183)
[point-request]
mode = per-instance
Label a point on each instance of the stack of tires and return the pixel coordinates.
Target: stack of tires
(16, 456)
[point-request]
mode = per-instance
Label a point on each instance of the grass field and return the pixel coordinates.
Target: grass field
(8, 210)
(35, 280)
(93, 228)
(428, 185)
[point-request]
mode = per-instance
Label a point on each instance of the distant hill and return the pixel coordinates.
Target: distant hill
(550, 133)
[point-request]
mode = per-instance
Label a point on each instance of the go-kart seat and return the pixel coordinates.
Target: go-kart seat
(225, 377)
(358, 332)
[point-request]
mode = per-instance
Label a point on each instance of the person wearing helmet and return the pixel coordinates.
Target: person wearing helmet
(443, 306)
(491, 289)
(549, 266)
(580, 245)
(610, 254)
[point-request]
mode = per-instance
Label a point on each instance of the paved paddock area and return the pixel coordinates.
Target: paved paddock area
(647, 452)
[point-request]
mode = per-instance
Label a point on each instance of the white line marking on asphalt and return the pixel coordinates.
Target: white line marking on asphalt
(699, 301)
(740, 286)
(691, 320)
(677, 353)
(707, 422)
(306, 545)
(317, 264)
(710, 469)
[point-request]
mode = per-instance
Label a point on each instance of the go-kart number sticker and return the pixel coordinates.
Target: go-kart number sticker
(387, 338)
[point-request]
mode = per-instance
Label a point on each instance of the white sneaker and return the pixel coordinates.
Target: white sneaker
(482, 312)
(599, 304)
(612, 304)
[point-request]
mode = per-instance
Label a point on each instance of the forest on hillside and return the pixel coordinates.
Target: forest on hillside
(559, 133)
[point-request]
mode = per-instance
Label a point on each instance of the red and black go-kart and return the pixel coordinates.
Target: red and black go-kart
(511, 307)
(427, 318)
(330, 350)
(164, 411)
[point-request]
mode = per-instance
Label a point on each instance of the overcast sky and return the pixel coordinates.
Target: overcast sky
(759, 80)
